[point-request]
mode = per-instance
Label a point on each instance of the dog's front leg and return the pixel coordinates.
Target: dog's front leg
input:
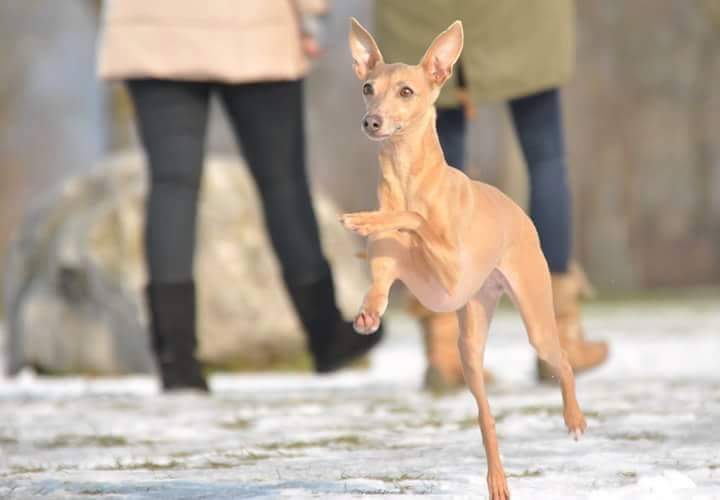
(384, 253)
(438, 249)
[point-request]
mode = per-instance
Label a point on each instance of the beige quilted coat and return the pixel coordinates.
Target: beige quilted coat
(235, 41)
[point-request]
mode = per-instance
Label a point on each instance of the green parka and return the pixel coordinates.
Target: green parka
(512, 47)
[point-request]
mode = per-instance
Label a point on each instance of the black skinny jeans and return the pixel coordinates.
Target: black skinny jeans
(538, 124)
(267, 119)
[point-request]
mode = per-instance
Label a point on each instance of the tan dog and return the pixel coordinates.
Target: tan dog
(457, 244)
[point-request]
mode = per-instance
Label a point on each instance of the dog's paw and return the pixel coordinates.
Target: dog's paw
(366, 322)
(497, 485)
(361, 223)
(575, 422)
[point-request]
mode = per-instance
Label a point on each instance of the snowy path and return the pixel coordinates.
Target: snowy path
(653, 411)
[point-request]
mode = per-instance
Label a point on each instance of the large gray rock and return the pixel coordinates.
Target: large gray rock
(74, 275)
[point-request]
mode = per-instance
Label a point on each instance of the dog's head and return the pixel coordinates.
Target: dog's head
(398, 95)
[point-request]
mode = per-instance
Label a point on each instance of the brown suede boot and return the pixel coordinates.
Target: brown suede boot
(568, 290)
(444, 371)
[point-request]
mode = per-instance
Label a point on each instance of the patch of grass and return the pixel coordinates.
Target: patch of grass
(345, 441)
(536, 410)
(214, 464)
(394, 481)
(388, 479)
(179, 461)
(628, 474)
(92, 492)
(8, 441)
(236, 424)
(150, 465)
(526, 473)
(146, 464)
(469, 423)
(297, 362)
(408, 477)
(638, 436)
(124, 406)
(77, 441)
(431, 420)
(399, 409)
(399, 446)
(27, 469)
(248, 456)
(389, 406)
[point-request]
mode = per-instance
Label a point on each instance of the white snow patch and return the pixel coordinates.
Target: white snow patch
(653, 414)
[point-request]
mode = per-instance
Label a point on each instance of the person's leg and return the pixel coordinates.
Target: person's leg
(171, 118)
(269, 123)
(538, 123)
(451, 128)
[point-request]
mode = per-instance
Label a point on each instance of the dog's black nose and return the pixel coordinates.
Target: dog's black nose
(372, 123)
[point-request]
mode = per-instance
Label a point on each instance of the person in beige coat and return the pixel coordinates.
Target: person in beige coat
(174, 56)
(520, 52)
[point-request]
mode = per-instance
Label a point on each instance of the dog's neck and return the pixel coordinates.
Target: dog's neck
(414, 154)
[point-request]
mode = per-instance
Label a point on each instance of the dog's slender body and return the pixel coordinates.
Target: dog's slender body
(457, 244)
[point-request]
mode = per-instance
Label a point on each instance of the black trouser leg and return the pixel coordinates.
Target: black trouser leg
(172, 120)
(269, 124)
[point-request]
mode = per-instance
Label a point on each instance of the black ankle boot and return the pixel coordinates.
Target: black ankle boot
(172, 328)
(333, 342)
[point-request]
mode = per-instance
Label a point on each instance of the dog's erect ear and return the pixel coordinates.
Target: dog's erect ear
(443, 53)
(365, 52)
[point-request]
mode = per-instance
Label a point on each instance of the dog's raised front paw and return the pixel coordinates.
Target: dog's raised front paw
(366, 322)
(362, 223)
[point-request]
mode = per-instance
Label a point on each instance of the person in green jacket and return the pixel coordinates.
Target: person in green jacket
(518, 52)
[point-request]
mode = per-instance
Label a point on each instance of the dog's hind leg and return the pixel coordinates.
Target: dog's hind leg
(528, 283)
(474, 321)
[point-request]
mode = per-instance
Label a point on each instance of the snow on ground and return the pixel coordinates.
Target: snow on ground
(653, 412)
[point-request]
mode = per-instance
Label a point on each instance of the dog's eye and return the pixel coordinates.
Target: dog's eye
(406, 92)
(367, 89)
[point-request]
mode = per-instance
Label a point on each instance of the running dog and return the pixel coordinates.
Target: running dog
(457, 244)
